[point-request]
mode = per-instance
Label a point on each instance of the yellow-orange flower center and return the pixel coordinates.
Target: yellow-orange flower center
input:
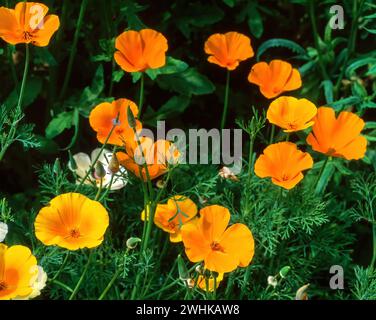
(3, 285)
(75, 233)
(215, 246)
(27, 35)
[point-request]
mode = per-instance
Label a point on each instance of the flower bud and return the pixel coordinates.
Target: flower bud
(132, 242)
(301, 293)
(131, 119)
(272, 281)
(56, 168)
(3, 231)
(99, 171)
(114, 164)
(284, 271)
(183, 271)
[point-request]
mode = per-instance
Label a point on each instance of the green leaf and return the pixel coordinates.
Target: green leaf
(173, 107)
(230, 3)
(172, 66)
(278, 43)
(358, 90)
(342, 168)
(187, 82)
(90, 94)
(136, 76)
(43, 56)
(255, 21)
(341, 104)
(117, 75)
(328, 90)
(325, 177)
(33, 88)
(350, 70)
(57, 125)
(370, 125)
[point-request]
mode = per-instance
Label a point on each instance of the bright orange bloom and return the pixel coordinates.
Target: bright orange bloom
(106, 115)
(156, 155)
(274, 78)
(227, 50)
(208, 239)
(291, 114)
(140, 50)
(284, 163)
(171, 216)
(18, 267)
(72, 221)
(28, 23)
(338, 137)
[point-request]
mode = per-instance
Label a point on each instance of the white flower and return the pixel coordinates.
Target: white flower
(3, 231)
(272, 281)
(84, 162)
(37, 283)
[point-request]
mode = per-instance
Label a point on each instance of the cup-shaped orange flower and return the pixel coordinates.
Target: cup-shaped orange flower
(28, 22)
(18, 267)
(208, 284)
(111, 118)
(72, 221)
(227, 50)
(172, 216)
(138, 51)
(274, 78)
(284, 163)
(157, 156)
(291, 114)
(208, 239)
(338, 137)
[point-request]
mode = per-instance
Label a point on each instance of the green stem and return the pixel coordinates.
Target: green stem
(61, 267)
(312, 15)
(78, 285)
(113, 279)
(99, 190)
(225, 104)
(73, 49)
(63, 285)
(13, 128)
(320, 174)
(141, 98)
(250, 162)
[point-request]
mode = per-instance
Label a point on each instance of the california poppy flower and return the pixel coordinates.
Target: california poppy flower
(140, 50)
(171, 217)
(227, 50)
(156, 155)
(291, 114)
(18, 268)
(274, 78)
(208, 239)
(338, 137)
(108, 116)
(72, 221)
(284, 163)
(28, 23)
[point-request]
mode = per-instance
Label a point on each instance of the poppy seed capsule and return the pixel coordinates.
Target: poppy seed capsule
(114, 164)
(99, 171)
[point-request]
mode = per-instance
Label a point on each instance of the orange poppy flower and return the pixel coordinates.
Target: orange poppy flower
(274, 78)
(18, 267)
(140, 50)
(227, 50)
(291, 114)
(284, 163)
(72, 221)
(106, 115)
(28, 23)
(156, 155)
(171, 216)
(207, 239)
(338, 137)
